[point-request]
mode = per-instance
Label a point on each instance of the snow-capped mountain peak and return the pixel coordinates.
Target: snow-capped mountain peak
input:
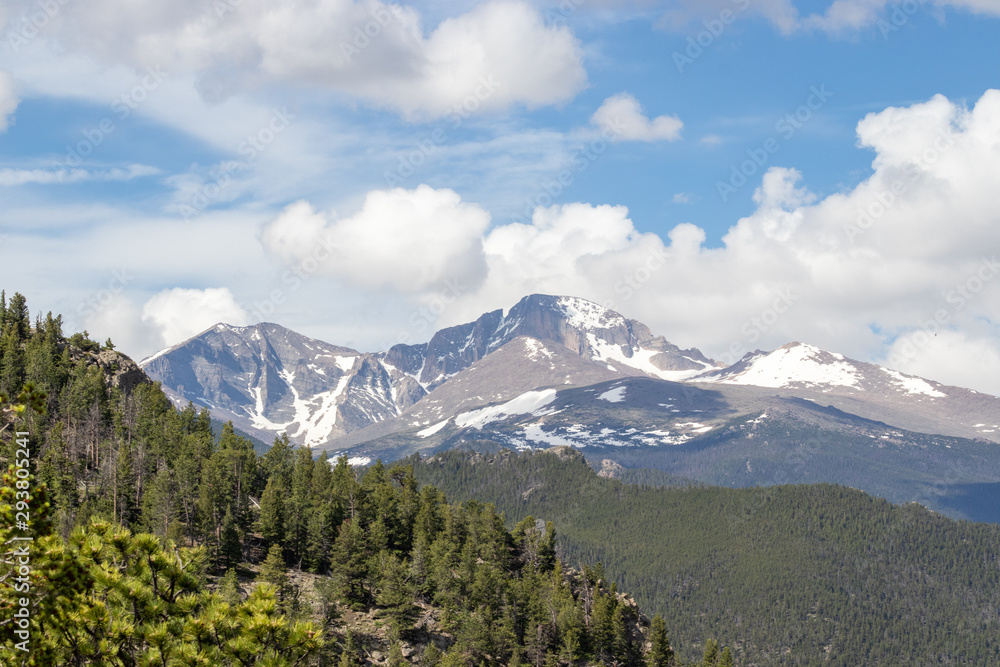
(802, 366)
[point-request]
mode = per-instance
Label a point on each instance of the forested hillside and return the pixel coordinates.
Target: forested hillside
(795, 575)
(157, 542)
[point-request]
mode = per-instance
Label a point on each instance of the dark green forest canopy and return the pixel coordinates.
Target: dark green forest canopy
(805, 575)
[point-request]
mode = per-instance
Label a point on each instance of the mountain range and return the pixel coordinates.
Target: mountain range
(557, 370)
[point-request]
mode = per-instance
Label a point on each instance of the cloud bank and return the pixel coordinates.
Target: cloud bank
(498, 54)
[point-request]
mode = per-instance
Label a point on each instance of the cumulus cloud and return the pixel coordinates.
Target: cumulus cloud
(621, 116)
(8, 99)
(179, 313)
(497, 54)
(410, 240)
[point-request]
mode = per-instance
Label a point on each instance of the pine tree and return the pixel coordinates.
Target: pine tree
(660, 653)
(229, 588)
(18, 319)
(300, 506)
(395, 593)
(12, 364)
(273, 571)
(230, 549)
(279, 460)
(711, 655)
(272, 513)
(348, 652)
(348, 564)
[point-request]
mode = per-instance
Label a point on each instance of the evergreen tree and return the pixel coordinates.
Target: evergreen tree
(273, 571)
(229, 588)
(300, 506)
(272, 513)
(660, 653)
(348, 563)
(278, 460)
(230, 548)
(711, 655)
(432, 656)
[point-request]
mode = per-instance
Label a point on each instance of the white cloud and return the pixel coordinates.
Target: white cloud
(177, 314)
(118, 318)
(495, 55)
(621, 116)
(410, 240)
(8, 99)
(14, 177)
(952, 357)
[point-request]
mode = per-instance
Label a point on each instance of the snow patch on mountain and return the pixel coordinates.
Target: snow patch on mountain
(640, 360)
(615, 395)
(321, 414)
(431, 430)
(913, 385)
(527, 403)
(345, 363)
(535, 347)
(795, 363)
(157, 355)
(257, 417)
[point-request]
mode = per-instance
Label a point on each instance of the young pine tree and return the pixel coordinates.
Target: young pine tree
(660, 654)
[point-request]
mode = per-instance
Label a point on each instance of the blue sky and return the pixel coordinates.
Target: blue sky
(165, 167)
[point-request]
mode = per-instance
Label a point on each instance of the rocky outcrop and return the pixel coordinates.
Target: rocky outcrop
(120, 372)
